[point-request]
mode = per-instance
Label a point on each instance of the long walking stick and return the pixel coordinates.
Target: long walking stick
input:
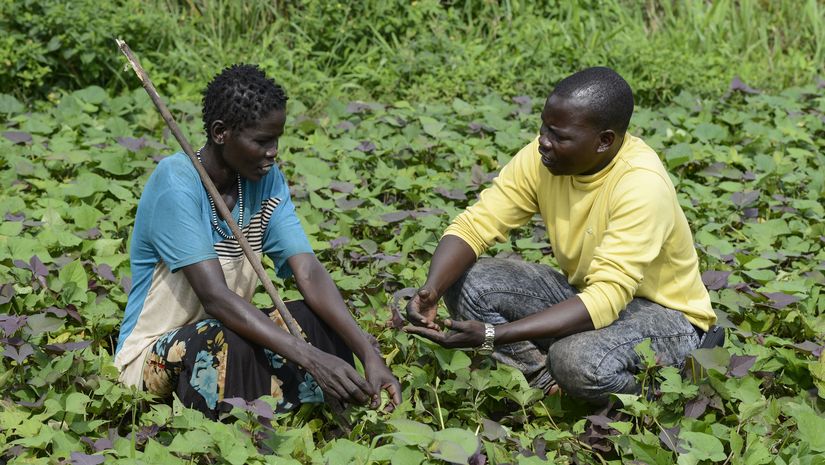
(220, 205)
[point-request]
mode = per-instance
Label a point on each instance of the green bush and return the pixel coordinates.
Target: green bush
(423, 50)
(53, 44)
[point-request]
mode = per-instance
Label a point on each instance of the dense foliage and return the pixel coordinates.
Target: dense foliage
(422, 50)
(375, 182)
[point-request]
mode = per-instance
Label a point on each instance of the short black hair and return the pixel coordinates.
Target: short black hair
(604, 93)
(239, 96)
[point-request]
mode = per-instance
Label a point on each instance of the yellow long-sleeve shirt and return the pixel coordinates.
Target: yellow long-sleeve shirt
(616, 234)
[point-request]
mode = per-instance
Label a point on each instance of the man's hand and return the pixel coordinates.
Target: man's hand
(338, 379)
(422, 308)
(462, 334)
(381, 378)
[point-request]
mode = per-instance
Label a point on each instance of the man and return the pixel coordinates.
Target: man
(619, 236)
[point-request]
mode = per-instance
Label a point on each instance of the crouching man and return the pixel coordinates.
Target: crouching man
(629, 270)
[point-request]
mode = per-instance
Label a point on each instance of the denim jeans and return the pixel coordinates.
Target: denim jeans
(588, 365)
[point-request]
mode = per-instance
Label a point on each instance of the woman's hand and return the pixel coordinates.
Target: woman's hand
(338, 379)
(422, 308)
(461, 334)
(382, 379)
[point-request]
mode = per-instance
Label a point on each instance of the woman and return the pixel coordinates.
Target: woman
(189, 326)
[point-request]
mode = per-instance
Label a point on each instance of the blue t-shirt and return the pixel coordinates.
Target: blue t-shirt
(173, 229)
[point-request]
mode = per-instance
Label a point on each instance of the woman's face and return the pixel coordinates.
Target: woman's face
(251, 151)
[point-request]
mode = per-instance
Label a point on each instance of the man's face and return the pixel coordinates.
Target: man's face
(568, 142)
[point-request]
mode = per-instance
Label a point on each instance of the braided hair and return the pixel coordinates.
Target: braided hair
(239, 96)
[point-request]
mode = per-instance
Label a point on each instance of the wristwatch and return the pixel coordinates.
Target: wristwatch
(486, 347)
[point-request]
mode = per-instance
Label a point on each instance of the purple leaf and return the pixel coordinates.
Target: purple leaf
(236, 402)
(15, 217)
(345, 126)
(740, 364)
(477, 459)
(358, 107)
(71, 310)
(11, 323)
(21, 264)
(737, 84)
(426, 212)
(261, 409)
(779, 300)
(131, 144)
(36, 404)
(480, 128)
(126, 284)
(6, 293)
(525, 104)
(744, 199)
(58, 312)
(18, 137)
(348, 204)
(92, 233)
(37, 267)
(601, 421)
(18, 354)
(84, 459)
(454, 194)
(395, 258)
(696, 407)
(66, 347)
(807, 346)
(341, 186)
(105, 272)
(395, 216)
(103, 444)
(715, 280)
(338, 242)
(366, 146)
(750, 213)
(670, 438)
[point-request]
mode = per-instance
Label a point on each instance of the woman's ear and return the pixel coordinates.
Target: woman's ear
(606, 139)
(218, 132)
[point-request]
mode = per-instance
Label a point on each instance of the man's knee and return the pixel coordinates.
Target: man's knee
(586, 375)
(476, 284)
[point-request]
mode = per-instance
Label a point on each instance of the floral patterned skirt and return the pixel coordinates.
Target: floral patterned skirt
(206, 362)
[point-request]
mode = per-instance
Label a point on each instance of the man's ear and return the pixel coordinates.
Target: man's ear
(606, 140)
(218, 131)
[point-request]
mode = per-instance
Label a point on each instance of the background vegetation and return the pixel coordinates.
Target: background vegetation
(401, 112)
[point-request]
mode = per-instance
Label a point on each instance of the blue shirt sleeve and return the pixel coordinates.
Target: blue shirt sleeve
(175, 221)
(284, 236)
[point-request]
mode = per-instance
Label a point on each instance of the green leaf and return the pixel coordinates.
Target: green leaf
(455, 445)
(191, 442)
(717, 358)
(431, 126)
(703, 446)
(76, 403)
(9, 104)
(817, 369)
(809, 424)
(409, 432)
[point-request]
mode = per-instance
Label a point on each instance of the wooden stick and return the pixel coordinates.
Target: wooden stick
(220, 205)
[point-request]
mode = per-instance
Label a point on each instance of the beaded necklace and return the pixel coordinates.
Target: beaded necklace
(217, 228)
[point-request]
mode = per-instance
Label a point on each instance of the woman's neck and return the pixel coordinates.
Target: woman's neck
(219, 172)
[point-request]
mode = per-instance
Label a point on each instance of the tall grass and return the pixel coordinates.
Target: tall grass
(439, 50)
(395, 49)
